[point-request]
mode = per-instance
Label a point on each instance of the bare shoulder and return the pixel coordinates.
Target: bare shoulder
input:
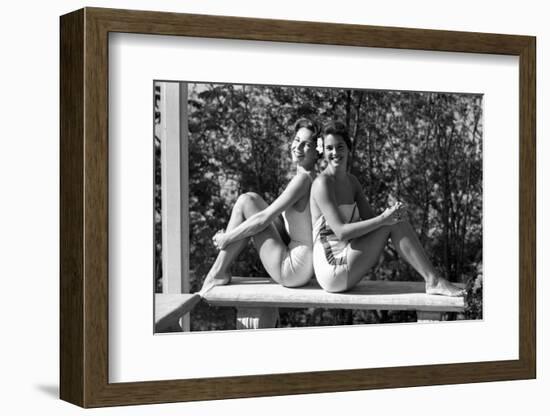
(322, 181)
(301, 180)
(303, 177)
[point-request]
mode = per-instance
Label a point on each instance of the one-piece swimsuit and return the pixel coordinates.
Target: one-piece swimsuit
(330, 254)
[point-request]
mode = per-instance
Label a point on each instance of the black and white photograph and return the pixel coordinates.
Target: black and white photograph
(293, 206)
(270, 208)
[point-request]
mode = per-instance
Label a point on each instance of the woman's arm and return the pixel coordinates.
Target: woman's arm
(325, 197)
(296, 189)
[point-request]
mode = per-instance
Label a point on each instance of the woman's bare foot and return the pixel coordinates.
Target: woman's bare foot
(212, 280)
(444, 287)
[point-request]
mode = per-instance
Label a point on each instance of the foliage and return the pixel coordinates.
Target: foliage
(422, 148)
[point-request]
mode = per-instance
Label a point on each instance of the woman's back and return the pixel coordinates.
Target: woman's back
(297, 219)
(298, 225)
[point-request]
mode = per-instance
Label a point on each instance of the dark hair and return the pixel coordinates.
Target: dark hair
(337, 128)
(306, 123)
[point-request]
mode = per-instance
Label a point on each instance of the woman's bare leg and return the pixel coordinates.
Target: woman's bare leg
(366, 250)
(219, 273)
(247, 205)
(408, 246)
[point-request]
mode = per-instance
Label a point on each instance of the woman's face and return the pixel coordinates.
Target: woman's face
(336, 151)
(302, 148)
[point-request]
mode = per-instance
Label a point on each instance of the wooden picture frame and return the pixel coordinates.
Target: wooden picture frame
(84, 207)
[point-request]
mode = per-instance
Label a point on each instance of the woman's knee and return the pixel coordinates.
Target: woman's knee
(401, 228)
(402, 224)
(249, 198)
(253, 195)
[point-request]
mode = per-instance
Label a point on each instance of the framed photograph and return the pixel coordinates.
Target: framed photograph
(401, 149)
(199, 256)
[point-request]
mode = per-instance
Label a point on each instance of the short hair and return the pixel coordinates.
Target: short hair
(337, 128)
(306, 123)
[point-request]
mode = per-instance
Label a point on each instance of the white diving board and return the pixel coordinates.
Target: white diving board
(258, 300)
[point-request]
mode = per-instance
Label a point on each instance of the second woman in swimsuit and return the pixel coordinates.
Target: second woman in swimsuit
(287, 264)
(348, 236)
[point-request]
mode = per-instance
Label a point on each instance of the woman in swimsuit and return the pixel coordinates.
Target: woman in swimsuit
(348, 236)
(289, 264)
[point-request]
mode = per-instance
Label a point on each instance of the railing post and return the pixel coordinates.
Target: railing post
(175, 190)
(425, 316)
(257, 318)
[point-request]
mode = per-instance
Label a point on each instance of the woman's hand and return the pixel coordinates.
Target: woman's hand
(394, 214)
(219, 239)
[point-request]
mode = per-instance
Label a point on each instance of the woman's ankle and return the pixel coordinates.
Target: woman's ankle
(432, 280)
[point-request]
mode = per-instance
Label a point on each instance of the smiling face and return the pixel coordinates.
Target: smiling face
(302, 148)
(336, 151)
